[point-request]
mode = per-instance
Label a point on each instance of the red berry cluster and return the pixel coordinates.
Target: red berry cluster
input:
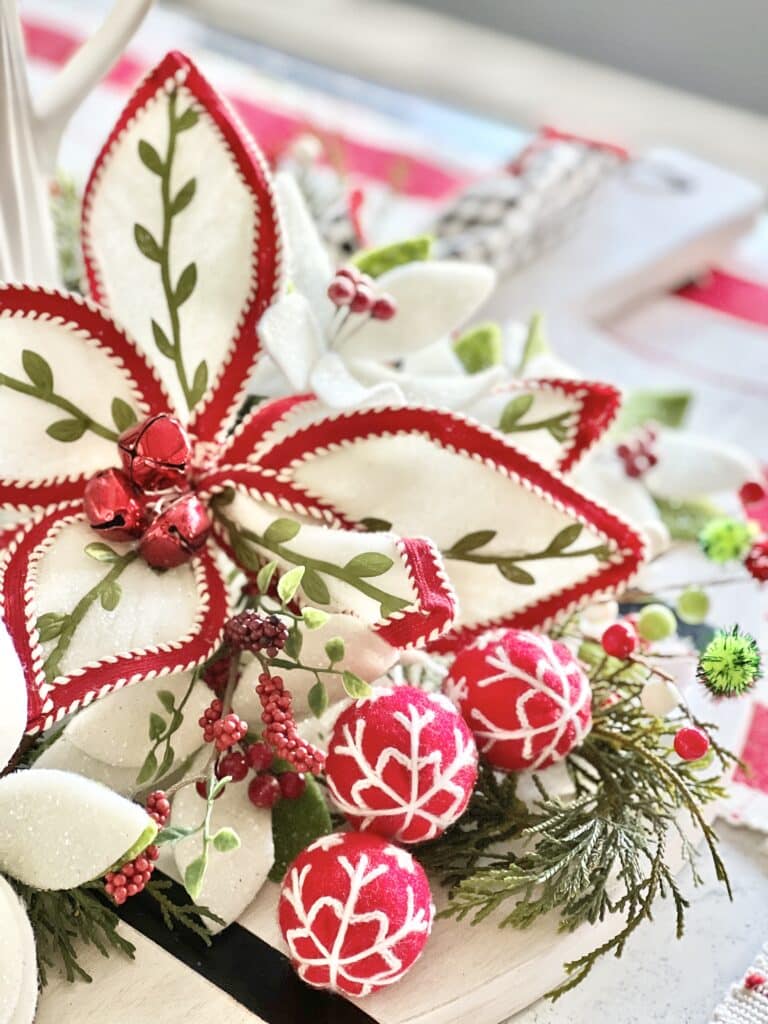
(208, 719)
(228, 730)
(756, 562)
(266, 788)
(158, 807)
(638, 453)
(132, 877)
(281, 732)
(253, 631)
(216, 675)
(356, 290)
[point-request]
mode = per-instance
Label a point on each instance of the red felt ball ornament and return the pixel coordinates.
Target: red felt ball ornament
(620, 640)
(756, 562)
(177, 534)
(156, 453)
(524, 696)
(113, 506)
(401, 763)
(691, 743)
(355, 912)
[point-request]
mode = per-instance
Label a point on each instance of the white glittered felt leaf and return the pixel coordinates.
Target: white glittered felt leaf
(233, 878)
(66, 757)
(18, 960)
(91, 826)
(13, 696)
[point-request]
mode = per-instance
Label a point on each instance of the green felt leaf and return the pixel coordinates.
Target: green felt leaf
(480, 347)
(148, 770)
(156, 725)
(391, 604)
(314, 618)
(565, 538)
(186, 284)
(264, 577)
(167, 699)
(686, 519)
(163, 342)
(471, 541)
(374, 525)
(245, 556)
(317, 698)
(123, 415)
(294, 643)
(369, 563)
(110, 596)
(101, 552)
(515, 574)
(280, 531)
(67, 430)
(38, 370)
(150, 157)
(183, 197)
(226, 840)
(315, 587)
(514, 411)
(199, 383)
(195, 875)
(145, 240)
(669, 408)
(354, 686)
(187, 120)
(335, 650)
(296, 824)
(50, 625)
(536, 342)
(377, 261)
(289, 583)
(172, 834)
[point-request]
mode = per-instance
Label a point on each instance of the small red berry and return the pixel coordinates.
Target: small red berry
(756, 562)
(384, 308)
(752, 492)
(264, 791)
(351, 273)
(292, 784)
(259, 757)
(341, 291)
(691, 743)
(202, 790)
(119, 895)
(228, 730)
(363, 300)
(234, 765)
(620, 640)
(754, 980)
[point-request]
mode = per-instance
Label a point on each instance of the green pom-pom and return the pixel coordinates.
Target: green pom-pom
(730, 663)
(480, 348)
(726, 540)
(693, 606)
(656, 622)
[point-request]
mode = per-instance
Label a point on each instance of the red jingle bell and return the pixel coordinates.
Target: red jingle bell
(113, 506)
(156, 453)
(177, 534)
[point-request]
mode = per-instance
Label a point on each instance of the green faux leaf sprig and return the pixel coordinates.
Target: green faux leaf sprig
(161, 755)
(515, 410)
(602, 853)
(466, 549)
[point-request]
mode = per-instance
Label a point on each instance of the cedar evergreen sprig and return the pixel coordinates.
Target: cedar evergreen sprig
(602, 853)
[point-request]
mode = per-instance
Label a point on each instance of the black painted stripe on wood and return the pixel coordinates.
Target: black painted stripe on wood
(241, 964)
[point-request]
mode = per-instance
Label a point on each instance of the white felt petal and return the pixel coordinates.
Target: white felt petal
(154, 608)
(437, 358)
(13, 698)
(59, 830)
(445, 391)
(690, 466)
(366, 654)
(232, 879)
(336, 547)
(115, 729)
(433, 298)
(309, 269)
(68, 758)
(18, 960)
(336, 387)
(268, 380)
(290, 333)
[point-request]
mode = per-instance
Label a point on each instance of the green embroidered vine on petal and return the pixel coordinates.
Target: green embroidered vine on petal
(62, 627)
(516, 408)
(465, 550)
(41, 386)
(176, 294)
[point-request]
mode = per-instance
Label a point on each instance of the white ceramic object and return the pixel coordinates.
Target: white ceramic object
(31, 131)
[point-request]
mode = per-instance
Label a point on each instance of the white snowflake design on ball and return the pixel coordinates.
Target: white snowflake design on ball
(512, 718)
(433, 781)
(337, 942)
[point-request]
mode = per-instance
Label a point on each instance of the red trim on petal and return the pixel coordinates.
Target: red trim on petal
(437, 599)
(265, 417)
(219, 405)
(280, 493)
(459, 434)
(30, 302)
(48, 703)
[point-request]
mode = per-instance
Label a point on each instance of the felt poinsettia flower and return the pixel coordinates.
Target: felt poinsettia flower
(339, 334)
(57, 831)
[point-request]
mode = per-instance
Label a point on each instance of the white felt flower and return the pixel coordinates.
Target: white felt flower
(350, 360)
